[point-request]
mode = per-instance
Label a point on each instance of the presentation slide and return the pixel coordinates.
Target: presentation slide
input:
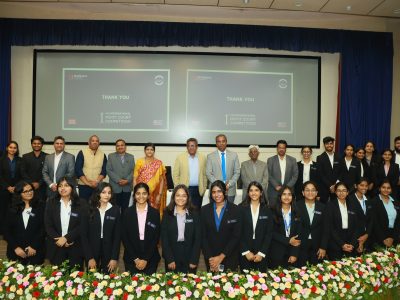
(251, 102)
(168, 97)
(108, 99)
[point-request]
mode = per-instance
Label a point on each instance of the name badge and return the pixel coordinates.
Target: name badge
(369, 206)
(335, 162)
(351, 212)
(31, 214)
(263, 217)
(73, 214)
(318, 212)
(313, 168)
(110, 218)
(189, 221)
(231, 221)
(351, 166)
(151, 225)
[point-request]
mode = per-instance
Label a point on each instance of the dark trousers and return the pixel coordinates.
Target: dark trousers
(72, 254)
(336, 252)
(251, 265)
(101, 260)
(151, 267)
(85, 191)
(5, 201)
(195, 197)
(181, 260)
(308, 253)
(123, 200)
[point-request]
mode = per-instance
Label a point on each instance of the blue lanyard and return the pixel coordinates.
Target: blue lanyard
(287, 224)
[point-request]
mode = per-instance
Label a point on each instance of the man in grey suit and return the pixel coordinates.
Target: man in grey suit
(57, 165)
(223, 165)
(282, 170)
(254, 170)
(120, 167)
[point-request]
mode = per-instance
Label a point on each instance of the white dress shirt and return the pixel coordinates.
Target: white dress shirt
(102, 215)
(25, 215)
(331, 158)
(348, 163)
(65, 214)
(282, 165)
(57, 158)
(306, 170)
(345, 216)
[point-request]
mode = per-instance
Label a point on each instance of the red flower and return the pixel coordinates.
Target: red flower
(178, 295)
(36, 294)
(217, 289)
(80, 273)
(333, 272)
(320, 277)
(256, 277)
(95, 283)
(376, 288)
(148, 287)
(244, 297)
(333, 263)
(54, 273)
(254, 288)
(391, 254)
(31, 275)
(112, 275)
(197, 280)
(347, 286)
(169, 282)
(35, 284)
(236, 287)
(386, 280)
(20, 286)
(281, 274)
(360, 260)
(379, 267)
(109, 291)
(56, 293)
(266, 291)
(360, 273)
(125, 297)
(135, 278)
(313, 289)
(286, 291)
(8, 289)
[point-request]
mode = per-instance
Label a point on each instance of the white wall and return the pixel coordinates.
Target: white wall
(22, 78)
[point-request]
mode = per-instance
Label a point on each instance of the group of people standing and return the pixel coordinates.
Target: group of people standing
(292, 213)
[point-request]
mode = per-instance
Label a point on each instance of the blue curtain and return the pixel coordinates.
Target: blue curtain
(366, 58)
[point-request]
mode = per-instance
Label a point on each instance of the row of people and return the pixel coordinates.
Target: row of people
(252, 235)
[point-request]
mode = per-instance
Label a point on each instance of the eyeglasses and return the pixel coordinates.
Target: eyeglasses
(341, 191)
(27, 191)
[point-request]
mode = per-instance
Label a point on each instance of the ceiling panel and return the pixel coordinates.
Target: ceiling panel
(388, 8)
(354, 7)
(243, 4)
(305, 5)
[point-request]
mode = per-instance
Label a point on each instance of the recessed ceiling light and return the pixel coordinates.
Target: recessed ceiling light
(396, 11)
(246, 1)
(348, 7)
(298, 4)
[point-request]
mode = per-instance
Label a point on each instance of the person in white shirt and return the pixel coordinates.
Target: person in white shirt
(308, 170)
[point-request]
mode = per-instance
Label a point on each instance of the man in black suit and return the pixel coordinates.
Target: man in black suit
(328, 169)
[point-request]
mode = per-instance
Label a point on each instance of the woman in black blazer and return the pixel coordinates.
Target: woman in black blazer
(63, 218)
(10, 174)
(387, 169)
(366, 170)
(349, 168)
(101, 231)
(371, 156)
(180, 233)
(221, 230)
(306, 165)
(363, 209)
(314, 226)
(285, 244)
(257, 227)
(343, 225)
(24, 227)
(386, 214)
(140, 233)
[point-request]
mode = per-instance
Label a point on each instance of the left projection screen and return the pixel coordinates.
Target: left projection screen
(166, 97)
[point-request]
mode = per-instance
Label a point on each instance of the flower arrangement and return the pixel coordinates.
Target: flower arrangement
(351, 278)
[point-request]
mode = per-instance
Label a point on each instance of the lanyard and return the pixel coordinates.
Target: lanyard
(287, 224)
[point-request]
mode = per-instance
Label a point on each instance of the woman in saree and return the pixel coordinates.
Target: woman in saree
(151, 171)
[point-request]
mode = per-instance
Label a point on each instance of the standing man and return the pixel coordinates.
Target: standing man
(396, 159)
(90, 167)
(190, 170)
(328, 170)
(57, 165)
(223, 165)
(254, 170)
(282, 171)
(32, 165)
(120, 167)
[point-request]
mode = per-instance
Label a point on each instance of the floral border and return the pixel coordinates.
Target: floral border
(352, 278)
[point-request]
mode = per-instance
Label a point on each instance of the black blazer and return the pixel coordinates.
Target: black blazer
(263, 232)
(169, 237)
(131, 238)
(17, 235)
(379, 175)
(337, 238)
(280, 246)
(313, 177)
(381, 222)
(327, 175)
(367, 170)
(319, 228)
(91, 235)
(365, 221)
(227, 239)
(5, 172)
(349, 176)
(52, 223)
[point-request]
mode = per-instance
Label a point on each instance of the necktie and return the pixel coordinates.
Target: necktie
(223, 167)
(364, 207)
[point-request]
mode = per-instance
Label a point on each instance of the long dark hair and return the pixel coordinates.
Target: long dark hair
(171, 205)
(75, 201)
(138, 186)
(278, 207)
(94, 200)
(16, 144)
(247, 200)
(17, 203)
(221, 185)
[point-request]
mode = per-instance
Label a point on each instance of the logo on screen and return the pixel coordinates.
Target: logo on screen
(159, 80)
(77, 76)
(283, 83)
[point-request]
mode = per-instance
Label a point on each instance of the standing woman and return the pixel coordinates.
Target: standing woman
(387, 169)
(343, 225)
(151, 171)
(366, 170)
(285, 244)
(386, 214)
(140, 233)
(314, 226)
(307, 171)
(363, 209)
(24, 227)
(180, 233)
(101, 231)
(349, 168)
(10, 174)
(371, 156)
(257, 227)
(221, 230)
(63, 218)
